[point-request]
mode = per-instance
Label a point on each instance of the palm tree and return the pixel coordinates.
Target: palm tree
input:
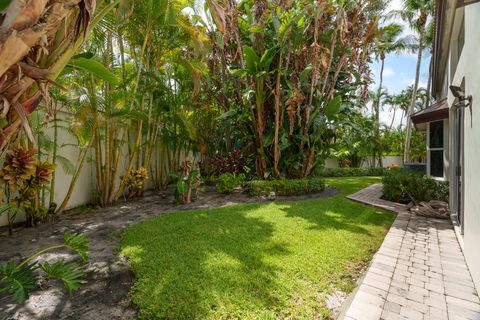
(392, 101)
(388, 41)
(402, 101)
(417, 14)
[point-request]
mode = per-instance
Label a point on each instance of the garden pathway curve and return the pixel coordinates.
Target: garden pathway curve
(418, 273)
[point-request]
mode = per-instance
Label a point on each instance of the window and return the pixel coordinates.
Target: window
(435, 149)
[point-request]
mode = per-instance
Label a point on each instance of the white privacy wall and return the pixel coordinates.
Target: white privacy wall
(332, 163)
(84, 191)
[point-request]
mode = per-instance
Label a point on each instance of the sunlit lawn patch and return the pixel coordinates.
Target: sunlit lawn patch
(255, 261)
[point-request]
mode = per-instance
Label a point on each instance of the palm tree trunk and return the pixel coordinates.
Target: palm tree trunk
(393, 119)
(377, 115)
(406, 156)
(81, 160)
(401, 119)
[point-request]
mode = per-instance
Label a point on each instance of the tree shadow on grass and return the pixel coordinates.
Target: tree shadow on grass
(339, 214)
(202, 264)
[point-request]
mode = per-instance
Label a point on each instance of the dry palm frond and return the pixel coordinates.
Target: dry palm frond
(37, 39)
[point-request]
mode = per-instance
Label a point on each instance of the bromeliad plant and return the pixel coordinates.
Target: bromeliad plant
(19, 279)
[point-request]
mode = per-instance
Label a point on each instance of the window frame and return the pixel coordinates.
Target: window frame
(429, 151)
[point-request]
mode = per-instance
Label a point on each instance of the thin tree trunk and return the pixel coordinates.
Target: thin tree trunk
(81, 161)
(136, 148)
(278, 98)
(406, 156)
(116, 164)
(377, 116)
(393, 120)
(54, 154)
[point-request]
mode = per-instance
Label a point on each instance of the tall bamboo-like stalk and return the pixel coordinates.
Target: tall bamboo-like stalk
(80, 162)
(54, 153)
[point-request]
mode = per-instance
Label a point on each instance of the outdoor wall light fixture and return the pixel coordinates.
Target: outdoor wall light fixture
(464, 101)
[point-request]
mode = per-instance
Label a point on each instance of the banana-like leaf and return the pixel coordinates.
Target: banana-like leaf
(218, 14)
(95, 68)
(333, 107)
(267, 59)
(252, 59)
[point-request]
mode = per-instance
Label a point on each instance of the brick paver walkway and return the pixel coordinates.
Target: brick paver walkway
(418, 273)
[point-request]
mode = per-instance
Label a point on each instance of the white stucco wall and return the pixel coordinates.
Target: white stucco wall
(332, 163)
(84, 191)
(468, 70)
(387, 161)
(85, 186)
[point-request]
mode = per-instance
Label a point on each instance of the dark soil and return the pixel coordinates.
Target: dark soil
(105, 293)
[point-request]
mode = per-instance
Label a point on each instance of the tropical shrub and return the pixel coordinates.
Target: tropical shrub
(18, 279)
(187, 182)
(135, 181)
(285, 187)
(227, 182)
(232, 162)
(404, 186)
(353, 172)
(292, 105)
(24, 176)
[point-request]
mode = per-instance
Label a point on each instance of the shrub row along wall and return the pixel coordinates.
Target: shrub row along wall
(285, 187)
(353, 172)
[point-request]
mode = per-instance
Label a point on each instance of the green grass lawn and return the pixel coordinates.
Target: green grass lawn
(255, 261)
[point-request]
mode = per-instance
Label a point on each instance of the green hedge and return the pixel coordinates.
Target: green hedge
(227, 182)
(353, 172)
(404, 186)
(285, 187)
